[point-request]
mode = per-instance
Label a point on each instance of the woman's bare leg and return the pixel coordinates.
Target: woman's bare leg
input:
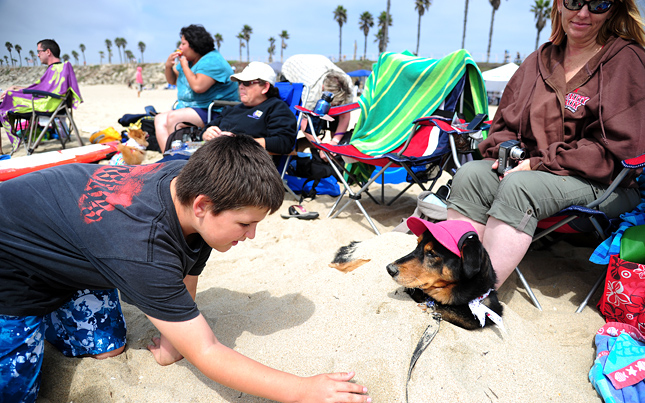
(166, 122)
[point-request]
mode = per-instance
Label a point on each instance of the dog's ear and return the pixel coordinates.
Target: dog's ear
(472, 256)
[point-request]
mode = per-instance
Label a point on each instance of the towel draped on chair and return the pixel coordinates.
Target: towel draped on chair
(58, 79)
(403, 88)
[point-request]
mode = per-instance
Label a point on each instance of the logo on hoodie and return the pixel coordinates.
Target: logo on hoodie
(574, 101)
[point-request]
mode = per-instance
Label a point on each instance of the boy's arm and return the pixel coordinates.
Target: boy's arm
(162, 349)
(195, 340)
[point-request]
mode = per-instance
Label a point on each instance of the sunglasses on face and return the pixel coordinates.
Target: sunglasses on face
(249, 83)
(594, 6)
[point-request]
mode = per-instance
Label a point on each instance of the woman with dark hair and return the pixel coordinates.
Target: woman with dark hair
(261, 115)
(577, 107)
(201, 75)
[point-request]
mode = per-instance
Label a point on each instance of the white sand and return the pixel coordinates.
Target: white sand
(275, 299)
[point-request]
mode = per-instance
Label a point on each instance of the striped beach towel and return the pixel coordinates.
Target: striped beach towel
(404, 87)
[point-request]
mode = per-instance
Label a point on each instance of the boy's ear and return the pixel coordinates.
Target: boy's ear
(201, 206)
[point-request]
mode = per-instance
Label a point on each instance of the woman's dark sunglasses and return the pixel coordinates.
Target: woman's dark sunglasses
(595, 6)
(249, 83)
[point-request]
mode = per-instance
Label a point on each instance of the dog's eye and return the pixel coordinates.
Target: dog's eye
(430, 253)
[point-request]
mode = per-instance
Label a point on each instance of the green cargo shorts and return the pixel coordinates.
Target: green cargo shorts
(523, 198)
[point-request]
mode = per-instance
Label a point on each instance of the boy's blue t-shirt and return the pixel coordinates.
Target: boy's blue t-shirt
(212, 64)
(82, 226)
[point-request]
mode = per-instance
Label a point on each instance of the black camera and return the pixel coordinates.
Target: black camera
(510, 154)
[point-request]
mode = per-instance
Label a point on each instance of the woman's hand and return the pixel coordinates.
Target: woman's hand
(524, 165)
(214, 131)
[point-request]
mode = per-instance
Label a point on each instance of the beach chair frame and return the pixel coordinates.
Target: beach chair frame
(61, 119)
(577, 214)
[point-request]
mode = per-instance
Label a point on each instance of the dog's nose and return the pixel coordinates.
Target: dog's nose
(393, 269)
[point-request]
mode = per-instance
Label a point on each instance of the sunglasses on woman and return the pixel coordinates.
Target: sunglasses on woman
(249, 83)
(595, 6)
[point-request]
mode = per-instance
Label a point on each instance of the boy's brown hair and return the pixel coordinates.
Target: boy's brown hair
(233, 172)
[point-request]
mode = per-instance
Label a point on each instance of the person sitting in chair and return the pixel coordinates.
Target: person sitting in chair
(261, 115)
(58, 78)
(576, 106)
(201, 75)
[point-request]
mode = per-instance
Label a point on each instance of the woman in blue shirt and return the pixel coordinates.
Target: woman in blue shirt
(201, 75)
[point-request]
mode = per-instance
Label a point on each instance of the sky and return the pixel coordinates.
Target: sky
(310, 24)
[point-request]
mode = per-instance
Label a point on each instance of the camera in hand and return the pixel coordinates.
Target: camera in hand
(324, 103)
(510, 154)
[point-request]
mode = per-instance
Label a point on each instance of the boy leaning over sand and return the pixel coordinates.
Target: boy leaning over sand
(70, 236)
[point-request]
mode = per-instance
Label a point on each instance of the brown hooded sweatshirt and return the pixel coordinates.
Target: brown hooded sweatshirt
(585, 127)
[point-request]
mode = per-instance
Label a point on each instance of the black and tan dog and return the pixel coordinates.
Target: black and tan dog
(451, 269)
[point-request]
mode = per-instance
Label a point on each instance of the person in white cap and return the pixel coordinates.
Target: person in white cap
(261, 115)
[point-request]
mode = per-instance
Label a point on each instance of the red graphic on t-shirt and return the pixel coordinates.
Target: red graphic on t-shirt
(112, 186)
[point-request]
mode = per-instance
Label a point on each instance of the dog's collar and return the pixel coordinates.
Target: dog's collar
(481, 311)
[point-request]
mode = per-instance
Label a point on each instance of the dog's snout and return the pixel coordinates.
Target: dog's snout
(393, 269)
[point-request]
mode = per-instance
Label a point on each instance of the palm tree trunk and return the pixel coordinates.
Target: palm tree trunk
(386, 28)
(418, 35)
(537, 39)
(340, 42)
(463, 36)
(490, 35)
(248, 58)
(365, 49)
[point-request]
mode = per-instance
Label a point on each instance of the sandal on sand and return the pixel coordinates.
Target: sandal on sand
(299, 212)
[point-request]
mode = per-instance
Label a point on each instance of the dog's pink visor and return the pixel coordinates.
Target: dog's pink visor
(450, 234)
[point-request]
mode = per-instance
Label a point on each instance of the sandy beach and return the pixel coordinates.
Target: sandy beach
(275, 299)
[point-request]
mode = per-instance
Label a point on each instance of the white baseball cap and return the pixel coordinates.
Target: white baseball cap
(256, 71)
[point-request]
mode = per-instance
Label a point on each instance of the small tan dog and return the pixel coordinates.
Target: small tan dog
(133, 151)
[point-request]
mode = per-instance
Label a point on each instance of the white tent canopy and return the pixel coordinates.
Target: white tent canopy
(496, 80)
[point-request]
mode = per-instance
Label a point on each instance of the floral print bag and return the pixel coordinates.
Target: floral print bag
(624, 297)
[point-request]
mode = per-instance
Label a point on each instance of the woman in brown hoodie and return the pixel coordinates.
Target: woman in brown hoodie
(577, 106)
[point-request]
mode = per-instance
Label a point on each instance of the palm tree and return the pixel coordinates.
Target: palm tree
(247, 31)
(1, 62)
(542, 12)
(6, 58)
(240, 36)
(386, 26)
(123, 43)
(33, 57)
(117, 43)
(463, 36)
(218, 40)
(18, 49)
(9, 47)
(142, 48)
(381, 35)
(365, 22)
(340, 16)
(108, 45)
(495, 4)
(271, 49)
(421, 6)
(65, 57)
(82, 48)
(129, 56)
(284, 35)
(101, 55)
(75, 56)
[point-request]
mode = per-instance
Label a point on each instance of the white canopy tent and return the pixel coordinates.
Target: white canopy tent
(496, 80)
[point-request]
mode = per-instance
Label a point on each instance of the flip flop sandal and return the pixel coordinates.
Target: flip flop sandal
(299, 212)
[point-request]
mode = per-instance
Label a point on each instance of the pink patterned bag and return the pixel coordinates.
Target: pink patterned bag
(624, 297)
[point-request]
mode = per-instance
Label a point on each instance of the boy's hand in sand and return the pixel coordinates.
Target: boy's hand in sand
(163, 351)
(333, 388)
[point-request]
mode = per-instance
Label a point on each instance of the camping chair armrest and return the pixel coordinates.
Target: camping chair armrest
(39, 93)
(628, 164)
